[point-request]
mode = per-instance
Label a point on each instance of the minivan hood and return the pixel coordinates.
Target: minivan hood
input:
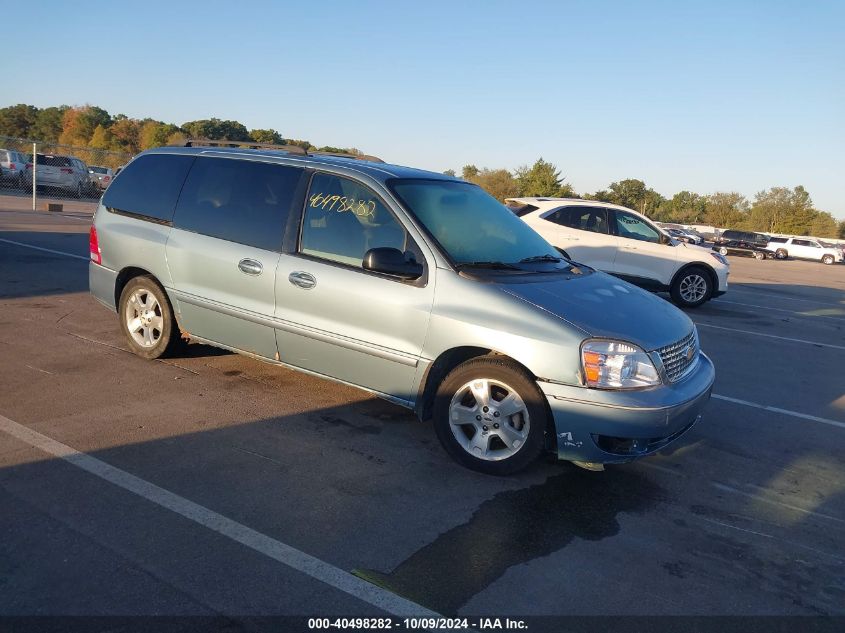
(606, 307)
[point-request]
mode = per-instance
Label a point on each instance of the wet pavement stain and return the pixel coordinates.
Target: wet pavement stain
(514, 527)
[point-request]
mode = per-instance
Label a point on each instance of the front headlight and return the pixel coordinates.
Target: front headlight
(617, 365)
(720, 258)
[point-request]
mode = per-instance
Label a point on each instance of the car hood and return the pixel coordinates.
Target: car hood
(606, 307)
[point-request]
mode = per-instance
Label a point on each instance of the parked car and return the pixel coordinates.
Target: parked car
(624, 243)
(743, 243)
(683, 235)
(100, 177)
(804, 248)
(12, 168)
(415, 286)
(66, 173)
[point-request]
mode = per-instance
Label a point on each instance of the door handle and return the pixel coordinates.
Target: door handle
(250, 267)
(302, 279)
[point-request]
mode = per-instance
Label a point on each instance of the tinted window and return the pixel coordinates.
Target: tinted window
(778, 240)
(344, 219)
(632, 227)
(238, 200)
(98, 170)
(593, 219)
(149, 185)
(519, 209)
(804, 243)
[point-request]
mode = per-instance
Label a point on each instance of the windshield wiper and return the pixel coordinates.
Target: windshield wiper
(491, 265)
(540, 258)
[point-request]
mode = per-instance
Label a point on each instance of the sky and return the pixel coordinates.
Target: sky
(700, 96)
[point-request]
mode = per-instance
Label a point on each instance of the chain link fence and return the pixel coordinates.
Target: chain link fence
(58, 171)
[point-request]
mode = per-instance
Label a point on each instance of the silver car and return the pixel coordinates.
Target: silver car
(60, 173)
(415, 286)
(12, 168)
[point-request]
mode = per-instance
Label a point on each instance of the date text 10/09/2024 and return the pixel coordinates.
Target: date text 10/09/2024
(430, 624)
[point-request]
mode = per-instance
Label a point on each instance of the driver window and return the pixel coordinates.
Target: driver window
(632, 227)
(344, 219)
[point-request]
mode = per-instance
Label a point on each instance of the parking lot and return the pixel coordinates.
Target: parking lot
(213, 484)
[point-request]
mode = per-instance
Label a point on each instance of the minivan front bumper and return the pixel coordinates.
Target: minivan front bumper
(604, 426)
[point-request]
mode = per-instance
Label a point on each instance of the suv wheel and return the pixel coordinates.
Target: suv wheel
(691, 288)
(827, 259)
(781, 253)
(146, 318)
(723, 251)
(490, 416)
(759, 255)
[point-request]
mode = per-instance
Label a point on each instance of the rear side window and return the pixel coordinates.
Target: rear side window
(238, 200)
(593, 219)
(149, 186)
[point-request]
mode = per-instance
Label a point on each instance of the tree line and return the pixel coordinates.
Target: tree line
(774, 210)
(92, 127)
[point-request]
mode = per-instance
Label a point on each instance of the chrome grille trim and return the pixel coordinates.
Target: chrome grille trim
(674, 359)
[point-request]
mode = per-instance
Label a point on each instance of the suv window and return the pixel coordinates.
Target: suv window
(149, 186)
(519, 209)
(778, 240)
(344, 219)
(805, 243)
(238, 200)
(593, 219)
(632, 227)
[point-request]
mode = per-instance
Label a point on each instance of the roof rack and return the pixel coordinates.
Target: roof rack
(293, 149)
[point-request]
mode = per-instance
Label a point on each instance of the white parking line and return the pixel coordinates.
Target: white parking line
(782, 338)
(802, 314)
(46, 250)
(784, 298)
(794, 414)
(285, 554)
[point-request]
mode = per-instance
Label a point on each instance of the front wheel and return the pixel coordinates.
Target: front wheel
(691, 288)
(723, 251)
(780, 253)
(490, 416)
(146, 318)
(759, 255)
(827, 259)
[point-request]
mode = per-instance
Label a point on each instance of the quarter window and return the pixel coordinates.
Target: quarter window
(632, 227)
(149, 185)
(344, 219)
(238, 200)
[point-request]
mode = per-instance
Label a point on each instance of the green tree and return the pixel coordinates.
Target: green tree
(499, 183)
(542, 179)
(450, 172)
(78, 124)
(216, 130)
(782, 210)
(48, 124)
(685, 207)
(266, 136)
(102, 138)
(155, 133)
(823, 225)
(469, 172)
(18, 120)
(633, 194)
(726, 210)
(841, 230)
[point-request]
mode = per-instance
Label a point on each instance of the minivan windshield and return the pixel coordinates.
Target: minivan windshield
(473, 228)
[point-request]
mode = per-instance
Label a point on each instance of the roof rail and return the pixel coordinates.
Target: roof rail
(293, 149)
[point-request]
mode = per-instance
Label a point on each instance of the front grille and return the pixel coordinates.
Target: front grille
(677, 362)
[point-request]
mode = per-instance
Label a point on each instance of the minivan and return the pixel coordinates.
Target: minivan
(417, 287)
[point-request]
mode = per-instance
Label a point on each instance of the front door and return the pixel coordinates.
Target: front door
(643, 255)
(338, 319)
(583, 232)
(223, 250)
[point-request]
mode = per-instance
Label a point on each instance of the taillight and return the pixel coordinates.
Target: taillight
(94, 246)
(11, 165)
(29, 165)
(67, 170)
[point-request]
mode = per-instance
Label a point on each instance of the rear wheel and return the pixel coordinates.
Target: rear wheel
(146, 318)
(781, 253)
(490, 416)
(759, 255)
(692, 287)
(827, 259)
(723, 251)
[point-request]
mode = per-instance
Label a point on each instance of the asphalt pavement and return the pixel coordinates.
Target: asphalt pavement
(212, 484)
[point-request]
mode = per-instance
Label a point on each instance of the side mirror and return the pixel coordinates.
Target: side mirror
(391, 261)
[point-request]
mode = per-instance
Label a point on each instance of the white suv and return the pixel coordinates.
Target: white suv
(626, 244)
(803, 248)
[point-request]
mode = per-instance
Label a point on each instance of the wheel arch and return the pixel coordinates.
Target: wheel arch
(126, 275)
(714, 278)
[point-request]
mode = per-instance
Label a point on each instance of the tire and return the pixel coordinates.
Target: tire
(827, 259)
(723, 251)
(157, 332)
(692, 287)
(511, 441)
(781, 254)
(759, 256)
